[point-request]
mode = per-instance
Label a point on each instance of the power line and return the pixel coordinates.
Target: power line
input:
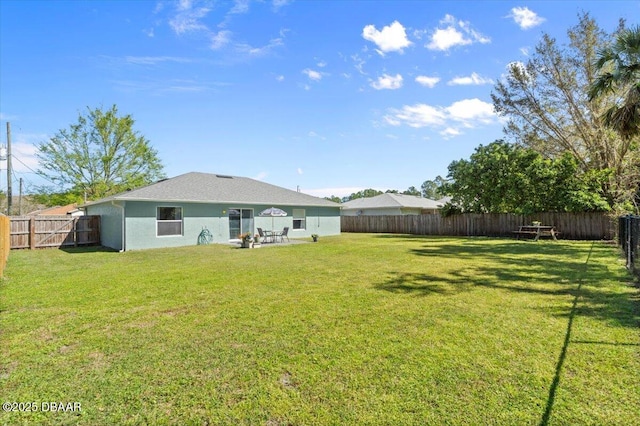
(33, 171)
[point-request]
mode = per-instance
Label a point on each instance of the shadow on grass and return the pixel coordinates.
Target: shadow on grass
(87, 249)
(567, 339)
(528, 268)
(544, 268)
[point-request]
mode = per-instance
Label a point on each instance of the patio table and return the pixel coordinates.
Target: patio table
(272, 235)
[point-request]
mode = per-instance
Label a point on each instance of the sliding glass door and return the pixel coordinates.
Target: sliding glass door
(240, 221)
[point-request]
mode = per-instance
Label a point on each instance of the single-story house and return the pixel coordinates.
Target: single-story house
(390, 204)
(174, 212)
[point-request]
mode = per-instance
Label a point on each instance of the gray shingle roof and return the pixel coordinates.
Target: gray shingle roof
(212, 188)
(391, 200)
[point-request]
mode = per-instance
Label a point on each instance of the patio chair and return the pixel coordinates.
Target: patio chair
(284, 234)
(263, 236)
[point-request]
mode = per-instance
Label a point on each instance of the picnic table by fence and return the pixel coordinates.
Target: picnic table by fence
(536, 231)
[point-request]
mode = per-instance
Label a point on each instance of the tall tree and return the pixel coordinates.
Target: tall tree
(548, 109)
(100, 155)
(433, 189)
(506, 178)
(412, 190)
(618, 66)
(334, 198)
(365, 193)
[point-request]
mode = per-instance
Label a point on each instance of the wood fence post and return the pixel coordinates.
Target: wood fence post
(75, 232)
(32, 233)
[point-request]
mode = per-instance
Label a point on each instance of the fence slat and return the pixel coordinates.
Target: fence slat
(53, 231)
(5, 241)
(572, 226)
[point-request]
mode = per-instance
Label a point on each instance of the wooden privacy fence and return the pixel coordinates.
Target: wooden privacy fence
(575, 226)
(54, 231)
(5, 241)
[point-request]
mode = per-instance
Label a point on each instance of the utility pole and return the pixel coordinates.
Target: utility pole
(20, 200)
(9, 201)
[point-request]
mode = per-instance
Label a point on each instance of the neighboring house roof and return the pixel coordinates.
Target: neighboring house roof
(56, 211)
(391, 200)
(212, 188)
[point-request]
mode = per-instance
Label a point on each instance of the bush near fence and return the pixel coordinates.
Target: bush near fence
(5, 241)
(574, 226)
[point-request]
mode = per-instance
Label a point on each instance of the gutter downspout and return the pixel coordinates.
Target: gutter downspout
(124, 239)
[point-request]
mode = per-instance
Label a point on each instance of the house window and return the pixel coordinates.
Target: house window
(169, 220)
(299, 219)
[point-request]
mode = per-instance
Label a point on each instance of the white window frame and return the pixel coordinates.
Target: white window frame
(301, 218)
(159, 221)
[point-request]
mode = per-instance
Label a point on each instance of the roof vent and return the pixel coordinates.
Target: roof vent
(224, 177)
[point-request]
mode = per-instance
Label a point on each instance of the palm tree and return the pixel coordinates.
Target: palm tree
(619, 69)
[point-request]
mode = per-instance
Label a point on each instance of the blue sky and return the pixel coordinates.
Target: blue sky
(328, 96)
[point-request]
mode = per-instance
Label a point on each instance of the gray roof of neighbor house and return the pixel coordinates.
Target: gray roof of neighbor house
(391, 200)
(212, 188)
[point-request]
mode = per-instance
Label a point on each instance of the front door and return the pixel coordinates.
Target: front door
(240, 221)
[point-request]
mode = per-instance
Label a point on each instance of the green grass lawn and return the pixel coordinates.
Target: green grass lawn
(354, 329)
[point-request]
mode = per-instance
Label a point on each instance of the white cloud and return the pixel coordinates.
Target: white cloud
(450, 132)
(313, 134)
(300, 171)
(23, 152)
(471, 111)
(443, 39)
(392, 38)
(359, 63)
(240, 7)
(188, 18)
(261, 176)
(454, 33)
(388, 82)
(525, 18)
(419, 115)
(277, 4)
(312, 74)
(474, 79)
(280, 78)
(220, 39)
(259, 51)
(427, 81)
(467, 113)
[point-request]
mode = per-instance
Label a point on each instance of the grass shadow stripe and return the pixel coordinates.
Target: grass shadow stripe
(567, 339)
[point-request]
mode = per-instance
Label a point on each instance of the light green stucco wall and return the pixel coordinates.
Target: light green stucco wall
(110, 224)
(140, 223)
